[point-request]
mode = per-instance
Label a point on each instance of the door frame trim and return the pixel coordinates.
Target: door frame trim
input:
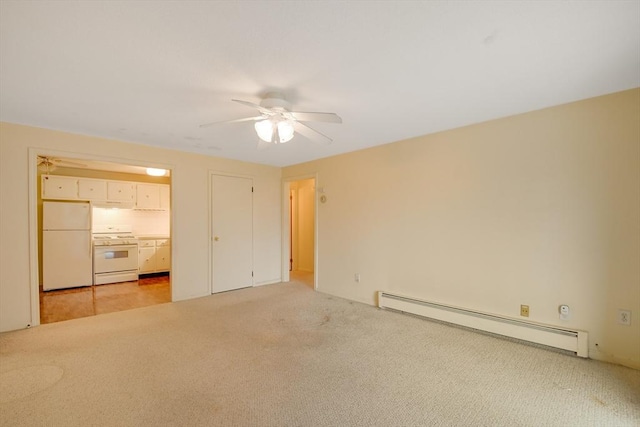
(212, 173)
(286, 219)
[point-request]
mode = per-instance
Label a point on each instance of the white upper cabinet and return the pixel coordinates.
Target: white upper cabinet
(147, 196)
(59, 187)
(121, 191)
(165, 197)
(92, 189)
(152, 196)
(107, 193)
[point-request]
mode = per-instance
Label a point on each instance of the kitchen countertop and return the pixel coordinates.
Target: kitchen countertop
(152, 236)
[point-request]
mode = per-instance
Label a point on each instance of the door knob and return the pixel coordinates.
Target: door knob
(216, 238)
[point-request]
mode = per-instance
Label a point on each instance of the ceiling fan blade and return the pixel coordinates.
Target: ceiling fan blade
(53, 162)
(316, 117)
(246, 119)
(256, 106)
(71, 164)
(45, 159)
(312, 134)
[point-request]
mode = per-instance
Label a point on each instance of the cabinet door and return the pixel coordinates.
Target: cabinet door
(165, 197)
(163, 258)
(92, 189)
(120, 191)
(146, 260)
(59, 187)
(163, 242)
(147, 196)
(145, 243)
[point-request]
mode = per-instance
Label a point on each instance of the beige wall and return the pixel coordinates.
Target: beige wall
(190, 213)
(540, 209)
(304, 225)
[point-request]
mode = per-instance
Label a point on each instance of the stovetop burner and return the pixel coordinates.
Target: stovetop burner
(113, 235)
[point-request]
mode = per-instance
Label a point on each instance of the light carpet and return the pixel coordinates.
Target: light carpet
(283, 355)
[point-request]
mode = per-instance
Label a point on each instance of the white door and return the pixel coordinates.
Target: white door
(232, 232)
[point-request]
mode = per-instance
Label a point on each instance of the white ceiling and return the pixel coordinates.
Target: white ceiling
(151, 72)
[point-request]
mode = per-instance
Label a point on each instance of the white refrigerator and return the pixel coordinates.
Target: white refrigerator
(66, 245)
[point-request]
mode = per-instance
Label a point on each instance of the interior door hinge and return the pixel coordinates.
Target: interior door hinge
(252, 189)
(252, 274)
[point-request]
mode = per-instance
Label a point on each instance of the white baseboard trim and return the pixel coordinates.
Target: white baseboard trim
(267, 282)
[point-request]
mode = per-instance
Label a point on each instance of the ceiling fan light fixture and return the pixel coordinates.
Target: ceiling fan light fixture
(278, 124)
(156, 172)
(285, 131)
(265, 129)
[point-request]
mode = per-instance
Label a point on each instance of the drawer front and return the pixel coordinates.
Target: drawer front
(163, 242)
(146, 243)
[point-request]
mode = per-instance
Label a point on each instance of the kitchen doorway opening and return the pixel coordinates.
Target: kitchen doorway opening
(114, 253)
(300, 231)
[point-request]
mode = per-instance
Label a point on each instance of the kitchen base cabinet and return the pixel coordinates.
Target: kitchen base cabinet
(146, 260)
(154, 256)
(163, 258)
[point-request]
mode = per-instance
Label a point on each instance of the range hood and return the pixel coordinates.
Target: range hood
(113, 204)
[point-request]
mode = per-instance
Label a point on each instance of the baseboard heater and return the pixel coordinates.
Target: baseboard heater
(551, 336)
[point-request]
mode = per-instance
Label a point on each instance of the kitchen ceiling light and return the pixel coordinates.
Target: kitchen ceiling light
(156, 172)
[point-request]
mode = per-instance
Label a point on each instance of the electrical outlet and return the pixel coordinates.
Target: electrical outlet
(524, 310)
(356, 277)
(564, 311)
(624, 317)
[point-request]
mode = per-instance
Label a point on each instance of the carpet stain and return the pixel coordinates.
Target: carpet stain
(23, 382)
(600, 401)
(325, 320)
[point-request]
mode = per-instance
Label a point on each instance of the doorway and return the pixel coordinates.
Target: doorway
(87, 181)
(302, 241)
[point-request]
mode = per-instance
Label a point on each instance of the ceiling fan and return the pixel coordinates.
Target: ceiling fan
(49, 164)
(277, 124)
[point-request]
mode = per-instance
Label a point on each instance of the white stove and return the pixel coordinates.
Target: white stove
(111, 235)
(115, 254)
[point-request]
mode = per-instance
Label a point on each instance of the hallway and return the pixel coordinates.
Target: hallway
(302, 277)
